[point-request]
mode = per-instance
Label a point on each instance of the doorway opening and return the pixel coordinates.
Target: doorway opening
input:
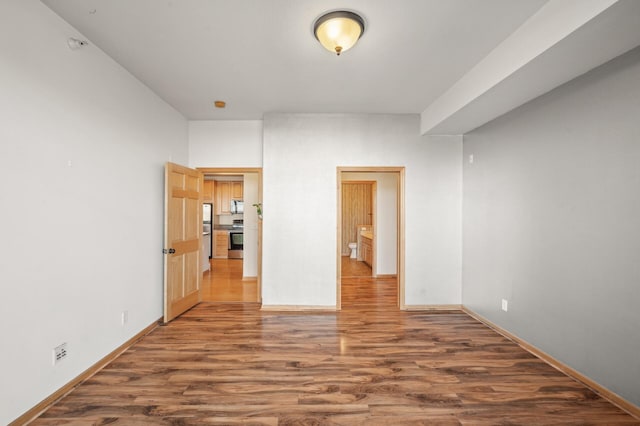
(371, 229)
(358, 224)
(235, 265)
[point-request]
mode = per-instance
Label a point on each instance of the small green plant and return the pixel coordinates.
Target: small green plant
(258, 207)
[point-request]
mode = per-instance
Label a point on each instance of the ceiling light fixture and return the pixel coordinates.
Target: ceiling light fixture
(338, 31)
(220, 104)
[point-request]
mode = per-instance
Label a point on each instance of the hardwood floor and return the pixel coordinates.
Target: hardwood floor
(370, 364)
(360, 291)
(369, 294)
(224, 283)
(353, 268)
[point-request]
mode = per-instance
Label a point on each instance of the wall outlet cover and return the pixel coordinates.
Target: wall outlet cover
(59, 353)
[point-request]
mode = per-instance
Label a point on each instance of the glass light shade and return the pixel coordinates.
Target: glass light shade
(339, 31)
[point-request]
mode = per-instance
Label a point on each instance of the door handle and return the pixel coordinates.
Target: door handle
(170, 251)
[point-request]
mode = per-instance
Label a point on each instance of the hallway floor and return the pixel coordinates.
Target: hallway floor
(224, 283)
(369, 364)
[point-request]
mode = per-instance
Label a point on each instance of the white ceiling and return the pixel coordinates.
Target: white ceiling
(260, 55)
(458, 63)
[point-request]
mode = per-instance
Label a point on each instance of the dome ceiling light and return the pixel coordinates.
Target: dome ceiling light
(338, 31)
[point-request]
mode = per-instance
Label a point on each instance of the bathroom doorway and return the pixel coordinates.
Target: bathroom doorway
(358, 219)
(379, 239)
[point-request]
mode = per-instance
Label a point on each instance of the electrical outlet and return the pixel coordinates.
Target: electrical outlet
(505, 305)
(60, 353)
(125, 317)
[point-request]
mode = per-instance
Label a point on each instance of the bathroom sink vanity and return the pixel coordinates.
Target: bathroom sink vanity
(365, 244)
(366, 247)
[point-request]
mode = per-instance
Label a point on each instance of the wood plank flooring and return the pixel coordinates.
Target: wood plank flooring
(370, 364)
(354, 268)
(224, 283)
(360, 291)
(369, 294)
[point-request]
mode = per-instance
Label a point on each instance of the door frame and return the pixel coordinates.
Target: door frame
(239, 171)
(400, 228)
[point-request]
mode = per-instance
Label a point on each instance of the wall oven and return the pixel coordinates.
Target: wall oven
(236, 244)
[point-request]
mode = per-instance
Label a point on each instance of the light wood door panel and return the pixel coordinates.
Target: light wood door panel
(357, 209)
(237, 190)
(183, 239)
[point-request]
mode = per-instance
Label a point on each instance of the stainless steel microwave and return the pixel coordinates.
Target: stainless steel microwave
(237, 207)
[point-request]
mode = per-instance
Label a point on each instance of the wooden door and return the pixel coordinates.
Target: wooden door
(182, 239)
(357, 209)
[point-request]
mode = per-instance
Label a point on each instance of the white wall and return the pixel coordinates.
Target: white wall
(301, 154)
(312, 142)
(80, 243)
(551, 208)
(386, 232)
(232, 143)
(250, 217)
(225, 143)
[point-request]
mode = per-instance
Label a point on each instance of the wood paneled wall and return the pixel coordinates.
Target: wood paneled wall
(357, 209)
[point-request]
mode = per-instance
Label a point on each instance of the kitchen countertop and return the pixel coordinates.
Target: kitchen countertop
(227, 228)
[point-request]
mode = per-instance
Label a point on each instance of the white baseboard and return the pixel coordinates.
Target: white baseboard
(298, 308)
